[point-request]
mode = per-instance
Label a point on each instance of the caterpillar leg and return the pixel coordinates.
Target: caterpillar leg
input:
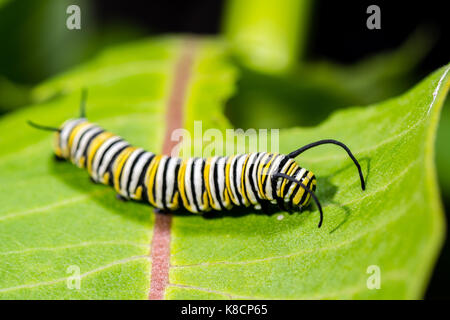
(158, 210)
(58, 158)
(92, 180)
(121, 198)
(265, 208)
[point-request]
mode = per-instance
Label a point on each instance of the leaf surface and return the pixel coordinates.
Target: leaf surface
(396, 224)
(52, 217)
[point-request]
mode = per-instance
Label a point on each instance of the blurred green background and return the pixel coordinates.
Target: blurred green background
(300, 60)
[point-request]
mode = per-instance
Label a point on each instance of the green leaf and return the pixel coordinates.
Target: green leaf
(52, 217)
(396, 224)
(265, 35)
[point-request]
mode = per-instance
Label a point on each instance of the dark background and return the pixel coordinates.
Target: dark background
(337, 32)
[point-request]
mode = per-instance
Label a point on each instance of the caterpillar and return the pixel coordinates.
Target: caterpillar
(195, 184)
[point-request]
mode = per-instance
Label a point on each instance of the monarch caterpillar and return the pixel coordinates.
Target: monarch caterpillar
(196, 184)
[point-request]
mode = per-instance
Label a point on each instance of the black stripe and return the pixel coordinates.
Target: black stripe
(203, 180)
(262, 172)
(70, 133)
(268, 171)
(252, 182)
(141, 181)
(305, 194)
(288, 184)
(291, 199)
(293, 164)
(88, 144)
(278, 170)
(194, 196)
(127, 188)
(244, 168)
(110, 166)
(216, 184)
(233, 182)
(79, 141)
(175, 183)
(105, 152)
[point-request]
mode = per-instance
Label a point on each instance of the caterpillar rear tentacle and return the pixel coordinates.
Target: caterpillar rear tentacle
(196, 184)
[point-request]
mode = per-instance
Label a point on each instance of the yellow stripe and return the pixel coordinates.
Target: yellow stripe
(119, 163)
(299, 194)
(308, 197)
(206, 174)
(174, 204)
(292, 167)
(151, 178)
(244, 190)
(95, 145)
(227, 178)
(105, 178)
(74, 132)
(138, 193)
(259, 174)
(226, 199)
(264, 175)
(181, 174)
(58, 151)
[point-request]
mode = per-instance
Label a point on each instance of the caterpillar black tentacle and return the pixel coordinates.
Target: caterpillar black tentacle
(196, 184)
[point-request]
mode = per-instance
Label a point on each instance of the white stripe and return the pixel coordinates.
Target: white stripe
(137, 173)
(238, 178)
(198, 180)
(98, 155)
(274, 167)
(187, 185)
(171, 181)
(262, 161)
(293, 185)
(77, 138)
(108, 157)
(247, 178)
(221, 177)
(231, 179)
(255, 174)
(83, 144)
(65, 134)
(212, 188)
(283, 170)
(159, 182)
(126, 174)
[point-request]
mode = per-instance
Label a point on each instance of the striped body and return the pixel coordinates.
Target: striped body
(196, 184)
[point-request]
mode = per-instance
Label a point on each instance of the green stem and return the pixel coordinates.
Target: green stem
(267, 35)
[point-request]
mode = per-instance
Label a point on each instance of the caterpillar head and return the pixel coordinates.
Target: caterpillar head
(64, 135)
(292, 190)
(300, 197)
(295, 188)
